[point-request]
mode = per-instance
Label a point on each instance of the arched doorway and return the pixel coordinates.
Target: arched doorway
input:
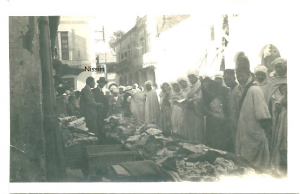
(268, 54)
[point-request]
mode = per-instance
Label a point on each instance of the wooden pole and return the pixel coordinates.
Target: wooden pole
(53, 146)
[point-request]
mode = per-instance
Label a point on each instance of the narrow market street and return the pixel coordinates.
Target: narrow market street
(150, 98)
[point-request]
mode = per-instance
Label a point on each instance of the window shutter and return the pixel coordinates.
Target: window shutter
(64, 45)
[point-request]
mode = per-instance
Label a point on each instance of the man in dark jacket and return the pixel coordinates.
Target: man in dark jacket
(88, 106)
(101, 110)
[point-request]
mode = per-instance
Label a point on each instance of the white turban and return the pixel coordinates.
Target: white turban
(219, 74)
(182, 78)
(113, 87)
(122, 87)
(115, 90)
(193, 72)
(281, 61)
(148, 82)
(127, 88)
(260, 68)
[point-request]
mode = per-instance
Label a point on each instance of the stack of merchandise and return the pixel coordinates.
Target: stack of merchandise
(78, 124)
(188, 161)
(75, 137)
(204, 164)
(74, 132)
(120, 129)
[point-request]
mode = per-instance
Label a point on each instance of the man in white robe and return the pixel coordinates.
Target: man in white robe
(254, 122)
(152, 110)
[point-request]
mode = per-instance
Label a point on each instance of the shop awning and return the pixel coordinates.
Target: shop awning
(64, 69)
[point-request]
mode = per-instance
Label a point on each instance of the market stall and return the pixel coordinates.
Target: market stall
(181, 159)
(75, 137)
(142, 152)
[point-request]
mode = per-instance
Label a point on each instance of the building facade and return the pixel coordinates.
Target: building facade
(75, 47)
(133, 52)
(137, 51)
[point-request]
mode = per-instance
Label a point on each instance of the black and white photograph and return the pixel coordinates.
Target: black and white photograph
(90, 105)
(148, 97)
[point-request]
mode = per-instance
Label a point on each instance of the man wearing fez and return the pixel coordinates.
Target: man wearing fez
(101, 110)
(254, 121)
(88, 106)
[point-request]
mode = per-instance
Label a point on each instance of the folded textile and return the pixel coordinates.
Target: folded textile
(138, 168)
(134, 138)
(153, 131)
(164, 154)
(77, 122)
(150, 125)
(170, 164)
(120, 171)
(195, 148)
(195, 170)
(209, 156)
(224, 166)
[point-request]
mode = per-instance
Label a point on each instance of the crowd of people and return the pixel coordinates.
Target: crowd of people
(237, 111)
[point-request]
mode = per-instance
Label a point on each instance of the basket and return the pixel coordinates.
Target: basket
(100, 157)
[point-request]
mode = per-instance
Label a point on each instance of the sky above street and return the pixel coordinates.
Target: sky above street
(113, 23)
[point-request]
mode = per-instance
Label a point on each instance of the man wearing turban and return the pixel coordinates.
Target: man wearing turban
(176, 109)
(115, 104)
(277, 95)
(183, 82)
(152, 110)
(126, 104)
(121, 91)
(261, 72)
(193, 123)
(254, 121)
(135, 102)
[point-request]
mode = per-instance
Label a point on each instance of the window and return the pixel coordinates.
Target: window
(212, 33)
(64, 45)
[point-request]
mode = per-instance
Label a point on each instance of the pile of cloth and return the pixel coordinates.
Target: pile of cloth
(137, 171)
(74, 132)
(185, 160)
(119, 128)
(204, 171)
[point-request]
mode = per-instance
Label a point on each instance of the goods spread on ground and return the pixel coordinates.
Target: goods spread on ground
(182, 159)
(75, 137)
